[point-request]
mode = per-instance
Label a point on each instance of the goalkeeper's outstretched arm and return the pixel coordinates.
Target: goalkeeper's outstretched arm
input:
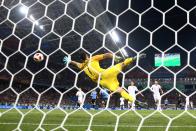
(76, 64)
(67, 60)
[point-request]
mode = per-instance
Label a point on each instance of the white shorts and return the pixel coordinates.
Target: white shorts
(132, 103)
(157, 97)
(80, 101)
(122, 104)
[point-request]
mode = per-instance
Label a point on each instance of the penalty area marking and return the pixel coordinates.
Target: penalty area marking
(97, 125)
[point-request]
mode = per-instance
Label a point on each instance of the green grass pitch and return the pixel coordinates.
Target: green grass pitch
(104, 121)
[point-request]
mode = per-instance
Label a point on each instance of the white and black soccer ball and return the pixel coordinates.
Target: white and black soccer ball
(38, 57)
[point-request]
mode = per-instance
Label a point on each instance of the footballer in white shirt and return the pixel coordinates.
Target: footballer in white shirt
(80, 95)
(132, 89)
(122, 103)
(156, 88)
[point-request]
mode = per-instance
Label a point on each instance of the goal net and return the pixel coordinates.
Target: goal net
(46, 95)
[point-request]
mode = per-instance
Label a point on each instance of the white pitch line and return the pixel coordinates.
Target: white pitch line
(191, 126)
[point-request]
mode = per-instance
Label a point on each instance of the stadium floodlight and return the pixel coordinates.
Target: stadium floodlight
(124, 52)
(116, 39)
(23, 10)
(114, 36)
(41, 27)
(36, 23)
(33, 19)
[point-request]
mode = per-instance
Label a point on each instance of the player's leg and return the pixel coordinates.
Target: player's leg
(93, 103)
(129, 104)
(158, 99)
(80, 101)
(105, 102)
(119, 67)
(124, 94)
(156, 103)
(109, 80)
(130, 60)
(159, 105)
(155, 99)
(113, 71)
(115, 88)
(113, 85)
(77, 103)
(133, 105)
(176, 105)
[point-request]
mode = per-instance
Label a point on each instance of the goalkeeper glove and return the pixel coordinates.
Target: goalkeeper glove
(66, 59)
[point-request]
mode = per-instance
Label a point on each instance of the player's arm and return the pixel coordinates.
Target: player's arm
(91, 94)
(67, 60)
(151, 89)
(83, 93)
(161, 90)
(140, 93)
(76, 64)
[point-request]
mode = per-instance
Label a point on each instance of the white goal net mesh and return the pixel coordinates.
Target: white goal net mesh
(57, 28)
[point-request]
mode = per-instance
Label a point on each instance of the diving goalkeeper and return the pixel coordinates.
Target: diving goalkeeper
(108, 77)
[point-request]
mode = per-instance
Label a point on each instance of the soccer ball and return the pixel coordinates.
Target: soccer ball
(38, 57)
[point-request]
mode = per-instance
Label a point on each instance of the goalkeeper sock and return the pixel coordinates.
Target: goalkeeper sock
(125, 95)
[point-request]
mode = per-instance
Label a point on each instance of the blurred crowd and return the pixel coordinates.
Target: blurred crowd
(45, 97)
